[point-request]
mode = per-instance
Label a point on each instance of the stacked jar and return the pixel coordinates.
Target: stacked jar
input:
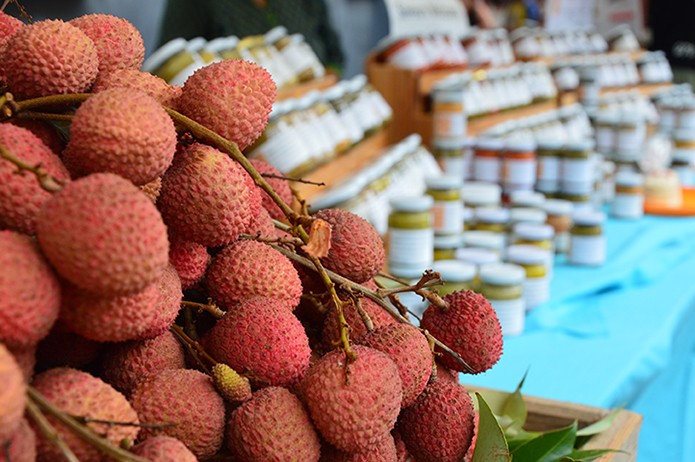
(538, 235)
(487, 160)
(503, 285)
(492, 219)
(577, 172)
(477, 194)
(457, 275)
(587, 241)
(448, 205)
(629, 196)
(559, 214)
(448, 113)
(519, 165)
(548, 175)
(632, 134)
(683, 157)
(485, 240)
(534, 262)
(410, 236)
(454, 156)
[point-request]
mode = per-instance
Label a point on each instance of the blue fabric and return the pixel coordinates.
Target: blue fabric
(620, 334)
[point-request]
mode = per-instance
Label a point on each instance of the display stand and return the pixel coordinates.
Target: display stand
(301, 89)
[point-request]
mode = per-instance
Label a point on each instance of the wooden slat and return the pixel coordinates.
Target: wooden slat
(299, 90)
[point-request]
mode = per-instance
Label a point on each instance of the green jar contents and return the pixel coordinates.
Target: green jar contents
(457, 275)
(538, 235)
(492, 219)
(468, 215)
(410, 240)
(537, 283)
(448, 207)
(445, 247)
(587, 241)
(502, 285)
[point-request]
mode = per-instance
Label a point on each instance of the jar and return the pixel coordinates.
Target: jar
(576, 163)
(450, 155)
(337, 96)
(548, 175)
(538, 235)
(487, 160)
(519, 165)
(686, 114)
(457, 275)
(629, 196)
(448, 206)
(527, 199)
(587, 241)
(537, 282)
(684, 155)
(606, 133)
(332, 125)
(449, 120)
(632, 133)
(492, 219)
(405, 53)
(282, 148)
(379, 103)
(480, 194)
(589, 86)
(485, 240)
(468, 216)
(526, 215)
(560, 218)
(168, 54)
(668, 115)
(502, 285)
(410, 236)
(293, 50)
(579, 201)
(477, 256)
(183, 63)
(445, 247)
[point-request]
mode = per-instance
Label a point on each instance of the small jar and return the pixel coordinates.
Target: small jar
(686, 114)
(457, 275)
(632, 133)
(587, 241)
(519, 164)
(577, 163)
(487, 160)
(537, 282)
(606, 133)
(479, 194)
(548, 175)
(485, 240)
(405, 53)
(538, 235)
(410, 236)
(450, 155)
(468, 218)
(445, 247)
(683, 158)
(629, 196)
(560, 218)
(530, 199)
(579, 201)
(492, 219)
(448, 206)
(478, 256)
(449, 121)
(589, 86)
(526, 215)
(337, 97)
(503, 285)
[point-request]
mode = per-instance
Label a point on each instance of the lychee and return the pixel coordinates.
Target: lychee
(190, 260)
(29, 292)
(279, 185)
(384, 451)
(331, 326)
(272, 427)
(12, 394)
(8, 26)
(438, 427)
(134, 79)
(164, 449)
(26, 360)
(469, 326)
(353, 412)
(262, 225)
(48, 58)
(206, 197)
(46, 132)
(261, 339)
(21, 447)
(188, 400)
(357, 251)
(168, 304)
(122, 246)
(121, 131)
(79, 394)
(232, 98)
(21, 196)
(248, 269)
(152, 189)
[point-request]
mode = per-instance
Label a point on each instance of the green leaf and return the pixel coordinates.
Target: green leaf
(496, 400)
(521, 438)
(599, 426)
(491, 445)
(587, 455)
(515, 408)
(549, 447)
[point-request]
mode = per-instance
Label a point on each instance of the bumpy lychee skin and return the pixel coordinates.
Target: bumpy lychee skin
(207, 197)
(355, 414)
(272, 427)
(409, 349)
(164, 449)
(168, 304)
(470, 327)
(119, 44)
(402, 454)
(49, 58)
(45, 131)
(122, 246)
(261, 339)
(134, 79)
(26, 360)
(121, 131)
(166, 397)
(78, 393)
(357, 251)
(331, 326)
(29, 292)
(438, 427)
(190, 260)
(21, 447)
(262, 225)
(8, 26)
(63, 348)
(12, 394)
(279, 185)
(248, 269)
(21, 196)
(384, 451)
(233, 98)
(124, 365)
(152, 189)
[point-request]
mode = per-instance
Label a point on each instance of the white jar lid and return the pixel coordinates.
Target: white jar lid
(467, 214)
(335, 92)
(526, 198)
(684, 135)
(275, 34)
(527, 215)
(455, 270)
(526, 255)
(534, 231)
(489, 144)
(449, 241)
(163, 53)
(484, 239)
(479, 193)
(477, 255)
(624, 178)
(585, 144)
(558, 207)
(502, 274)
(549, 144)
(196, 44)
(444, 182)
(492, 214)
(589, 218)
(412, 203)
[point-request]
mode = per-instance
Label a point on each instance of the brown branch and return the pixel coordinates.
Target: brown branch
(84, 420)
(45, 116)
(22, 12)
(303, 206)
(290, 242)
(82, 431)
(49, 432)
(428, 280)
(196, 348)
(364, 316)
(210, 307)
(47, 182)
(289, 178)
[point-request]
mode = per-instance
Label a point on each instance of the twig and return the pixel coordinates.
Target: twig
(84, 420)
(45, 116)
(210, 307)
(47, 182)
(22, 12)
(289, 178)
(363, 315)
(197, 347)
(102, 444)
(50, 433)
(428, 280)
(303, 206)
(290, 242)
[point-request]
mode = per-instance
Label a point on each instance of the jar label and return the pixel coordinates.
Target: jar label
(413, 247)
(578, 170)
(587, 250)
(628, 206)
(536, 291)
(548, 168)
(448, 217)
(511, 314)
(487, 169)
(455, 166)
(517, 171)
(449, 125)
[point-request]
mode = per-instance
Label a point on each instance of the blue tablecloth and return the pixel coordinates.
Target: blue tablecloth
(621, 334)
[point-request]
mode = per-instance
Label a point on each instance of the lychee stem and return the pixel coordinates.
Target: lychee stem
(49, 116)
(84, 420)
(47, 182)
(210, 307)
(194, 347)
(80, 430)
(429, 279)
(48, 432)
(289, 178)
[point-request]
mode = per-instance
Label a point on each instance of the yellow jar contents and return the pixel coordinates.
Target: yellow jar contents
(174, 65)
(410, 220)
(581, 230)
(444, 254)
(501, 292)
(457, 275)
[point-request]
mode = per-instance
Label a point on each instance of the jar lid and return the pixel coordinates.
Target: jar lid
(549, 144)
(484, 239)
(449, 144)
(527, 215)
(688, 104)
(489, 144)
(444, 182)
(449, 241)
(360, 80)
(479, 193)
(686, 134)
(558, 207)
(217, 45)
(526, 255)
(492, 214)
(455, 270)
(624, 178)
(584, 144)
(413, 204)
(275, 34)
(534, 231)
(589, 218)
(477, 255)
(196, 44)
(163, 53)
(335, 92)
(502, 274)
(526, 198)
(467, 213)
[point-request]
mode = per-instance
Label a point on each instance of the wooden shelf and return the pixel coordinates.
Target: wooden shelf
(299, 90)
(645, 89)
(550, 60)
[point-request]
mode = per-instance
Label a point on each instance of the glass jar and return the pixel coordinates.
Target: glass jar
(519, 164)
(404, 53)
(560, 218)
(479, 194)
(632, 133)
(484, 240)
(445, 247)
(449, 121)
(683, 157)
(527, 199)
(448, 206)
(686, 114)
(606, 133)
(478, 256)
(337, 96)
(537, 282)
(587, 241)
(538, 235)
(502, 284)
(526, 215)
(467, 217)
(450, 155)
(629, 196)
(457, 275)
(332, 125)
(548, 175)
(492, 219)
(410, 236)
(367, 115)
(487, 160)
(577, 164)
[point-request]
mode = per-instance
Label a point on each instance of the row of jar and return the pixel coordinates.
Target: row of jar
(287, 57)
(307, 132)
(530, 43)
(479, 47)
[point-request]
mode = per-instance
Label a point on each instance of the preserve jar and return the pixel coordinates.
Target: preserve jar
(587, 241)
(448, 206)
(410, 236)
(537, 282)
(502, 284)
(457, 275)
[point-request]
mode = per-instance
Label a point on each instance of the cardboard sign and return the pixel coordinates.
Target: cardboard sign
(568, 14)
(417, 17)
(610, 14)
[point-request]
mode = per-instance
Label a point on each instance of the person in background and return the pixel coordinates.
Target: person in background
(220, 18)
(480, 14)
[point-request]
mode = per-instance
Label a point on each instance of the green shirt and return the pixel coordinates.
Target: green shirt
(221, 18)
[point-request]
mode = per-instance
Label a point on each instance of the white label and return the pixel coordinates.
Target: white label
(578, 170)
(455, 166)
(631, 139)
(587, 250)
(518, 171)
(487, 169)
(448, 217)
(415, 17)
(449, 125)
(334, 128)
(605, 139)
(412, 247)
(536, 291)
(511, 315)
(548, 168)
(628, 206)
